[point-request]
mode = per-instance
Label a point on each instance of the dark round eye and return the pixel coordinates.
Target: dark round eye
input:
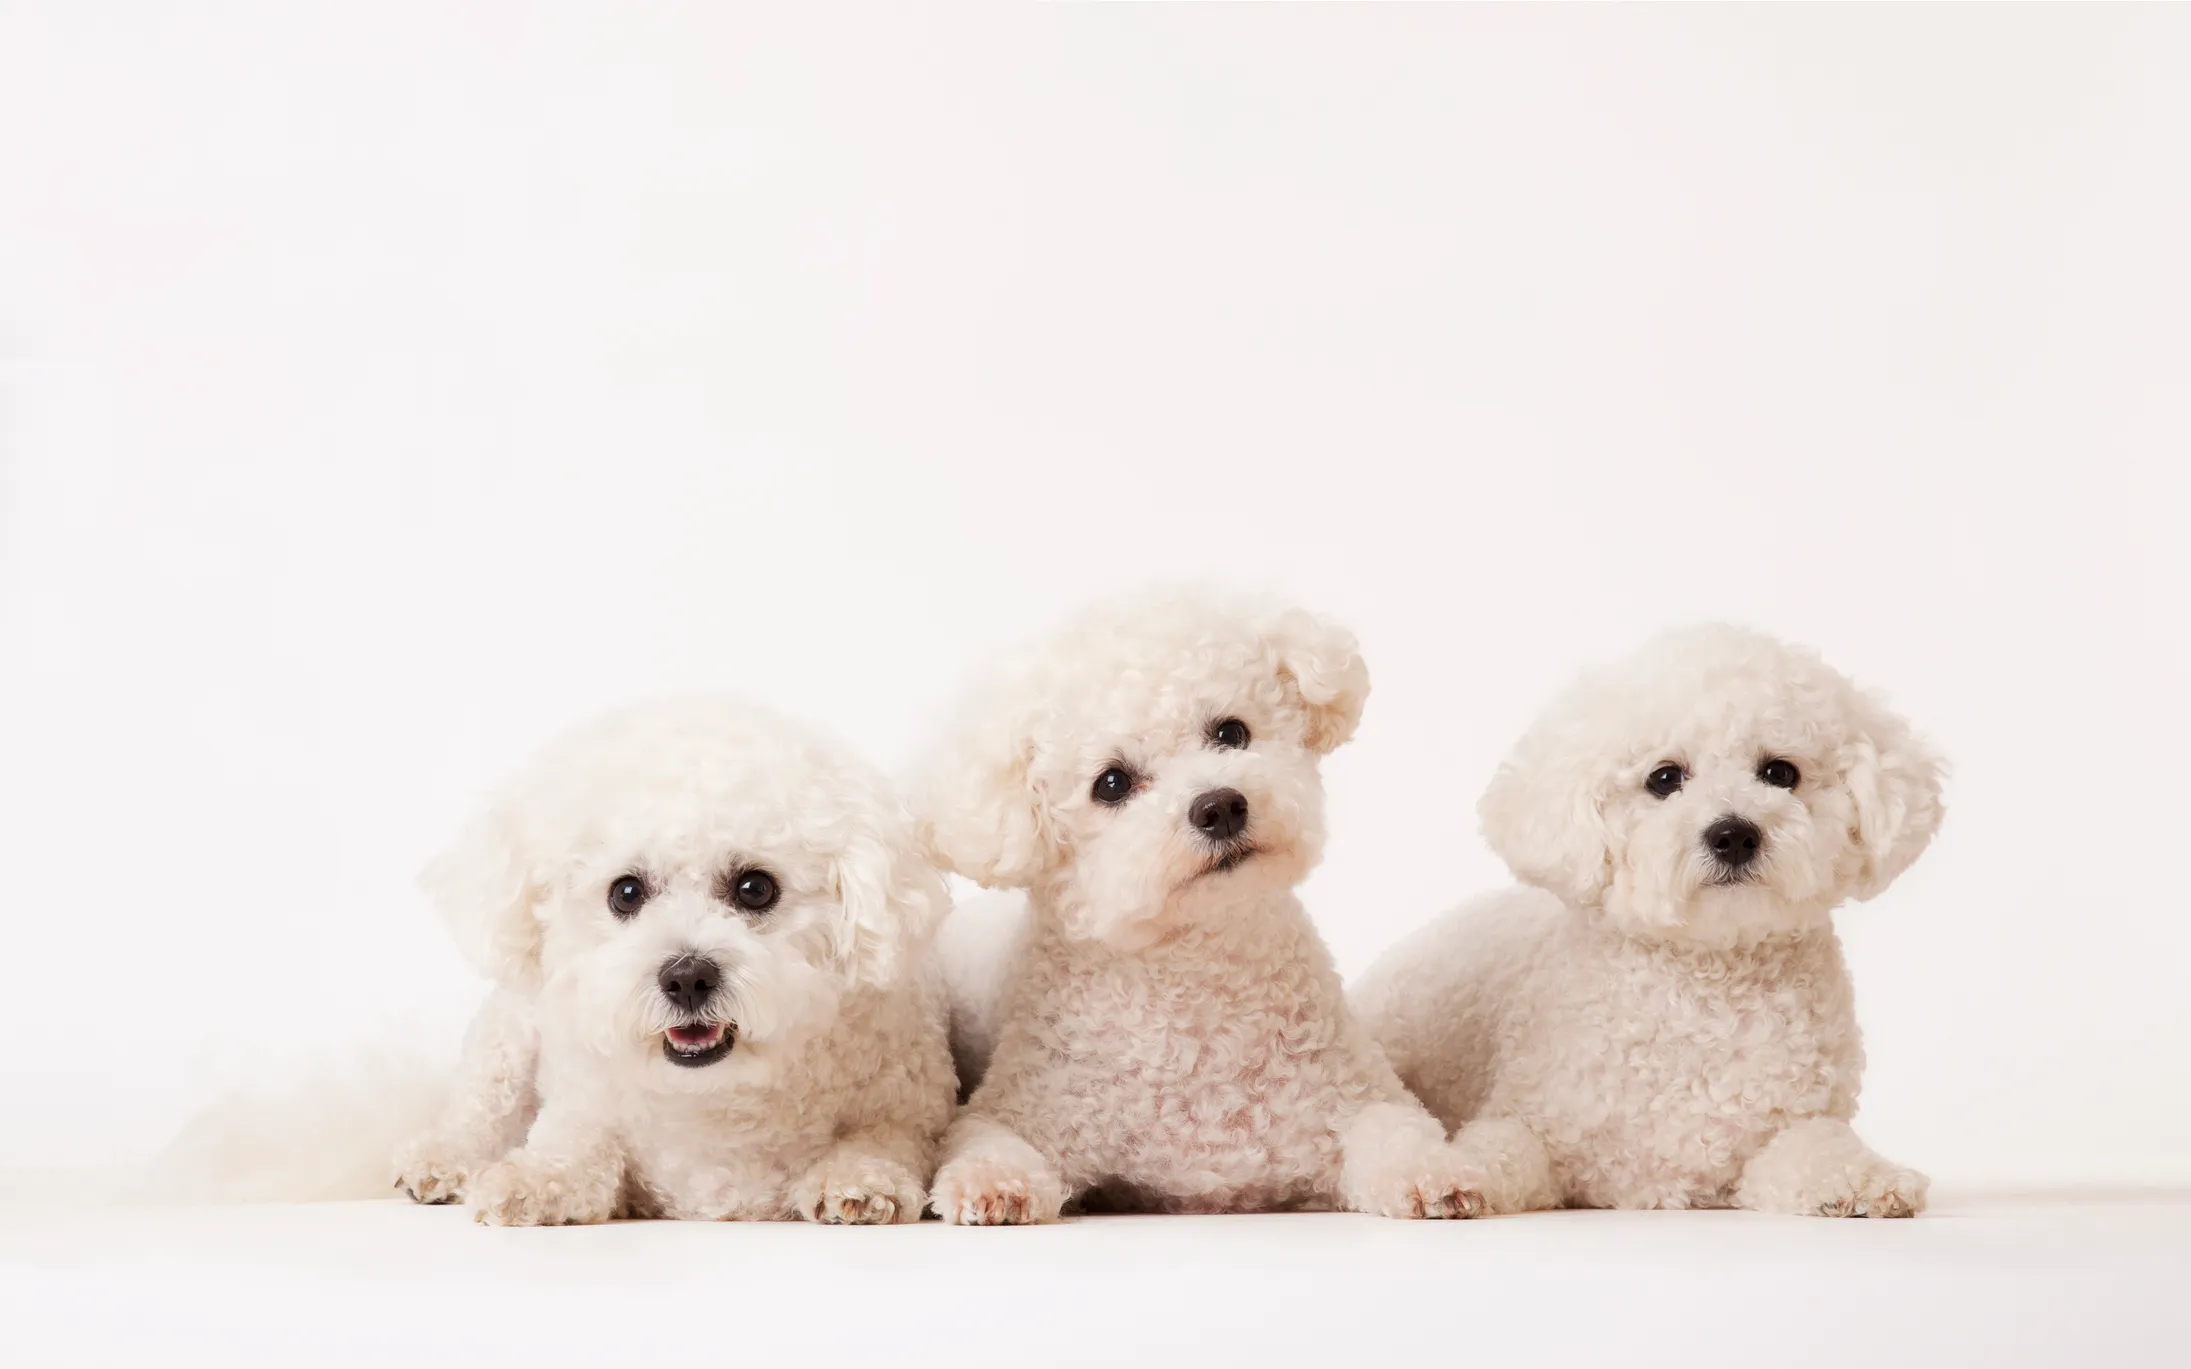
(1667, 779)
(754, 890)
(1232, 734)
(626, 894)
(1114, 785)
(1779, 773)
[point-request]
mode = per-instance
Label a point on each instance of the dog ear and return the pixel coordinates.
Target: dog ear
(484, 889)
(978, 812)
(893, 903)
(1544, 815)
(1894, 783)
(1326, 669)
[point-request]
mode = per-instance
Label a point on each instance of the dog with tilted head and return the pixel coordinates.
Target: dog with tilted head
(1153, 1021)
(1661, 1017)
(709, 929)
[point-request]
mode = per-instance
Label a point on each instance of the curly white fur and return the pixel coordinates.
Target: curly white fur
(572, 1104)
(1157, 1024)
(1648, 1027)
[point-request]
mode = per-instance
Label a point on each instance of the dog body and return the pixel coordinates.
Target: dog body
(1212, 1072)
(710, 933)
(1159, 1027)
(1619, 1052)
(1664, 1019)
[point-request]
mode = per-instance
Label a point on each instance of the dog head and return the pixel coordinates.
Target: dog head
(1151, 763)
(1717, 787)
(690, 886)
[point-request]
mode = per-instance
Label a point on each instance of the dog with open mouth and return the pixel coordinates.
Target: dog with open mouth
(1661, 1017)
(1155, 1024)
(710, 930)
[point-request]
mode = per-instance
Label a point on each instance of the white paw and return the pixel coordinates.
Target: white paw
(977, 1191)
(1435, 1186)
(1873, 1192)
(428, 1174)
(866, 1192)
(522, 1192)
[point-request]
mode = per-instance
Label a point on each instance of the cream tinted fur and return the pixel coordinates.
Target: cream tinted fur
(566, 1109)
(1152, 1031)
(1629, 1033)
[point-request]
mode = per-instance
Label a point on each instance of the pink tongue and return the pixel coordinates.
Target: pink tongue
(691, 1036)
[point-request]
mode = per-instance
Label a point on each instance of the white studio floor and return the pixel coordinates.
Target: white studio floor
(2100, 1279)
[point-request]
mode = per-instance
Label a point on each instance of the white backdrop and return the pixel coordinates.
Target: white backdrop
(385, 389)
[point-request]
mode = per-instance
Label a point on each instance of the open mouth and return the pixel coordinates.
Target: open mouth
(699, 1043)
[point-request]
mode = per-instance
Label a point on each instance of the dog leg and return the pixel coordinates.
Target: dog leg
(491, 1105)
(1516, 1168)
(1819, 1167)
(990, 1177)
(570, 1172)
(871, 1177)
(1394, 1162)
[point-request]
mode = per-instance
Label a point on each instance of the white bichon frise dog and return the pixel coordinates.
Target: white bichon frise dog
(1158, 1026)
(1664, 1019)
(710, 932)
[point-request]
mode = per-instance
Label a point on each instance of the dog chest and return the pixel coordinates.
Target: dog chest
(1172, 1024)
(1187, 1083)
(691, 1159)
(1701, 1058)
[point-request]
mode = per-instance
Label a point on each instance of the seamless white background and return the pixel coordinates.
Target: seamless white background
(383, 388)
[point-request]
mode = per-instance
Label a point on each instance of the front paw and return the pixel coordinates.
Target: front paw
(982, 1191)
(1835, 1186)
(429, 1174)
(1875, 1191)
(1432, 1186)
(524, 1192)
(1819, 1167)
(861, 1192)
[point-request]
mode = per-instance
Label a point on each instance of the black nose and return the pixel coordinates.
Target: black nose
(689, 981)
(1220, 815)
(1734, 841)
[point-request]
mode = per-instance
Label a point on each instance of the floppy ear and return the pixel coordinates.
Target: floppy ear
(484, 889)
(893, 903)
(1327, 671)
(1894, 784)
(1544, 815)
(977, 812)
